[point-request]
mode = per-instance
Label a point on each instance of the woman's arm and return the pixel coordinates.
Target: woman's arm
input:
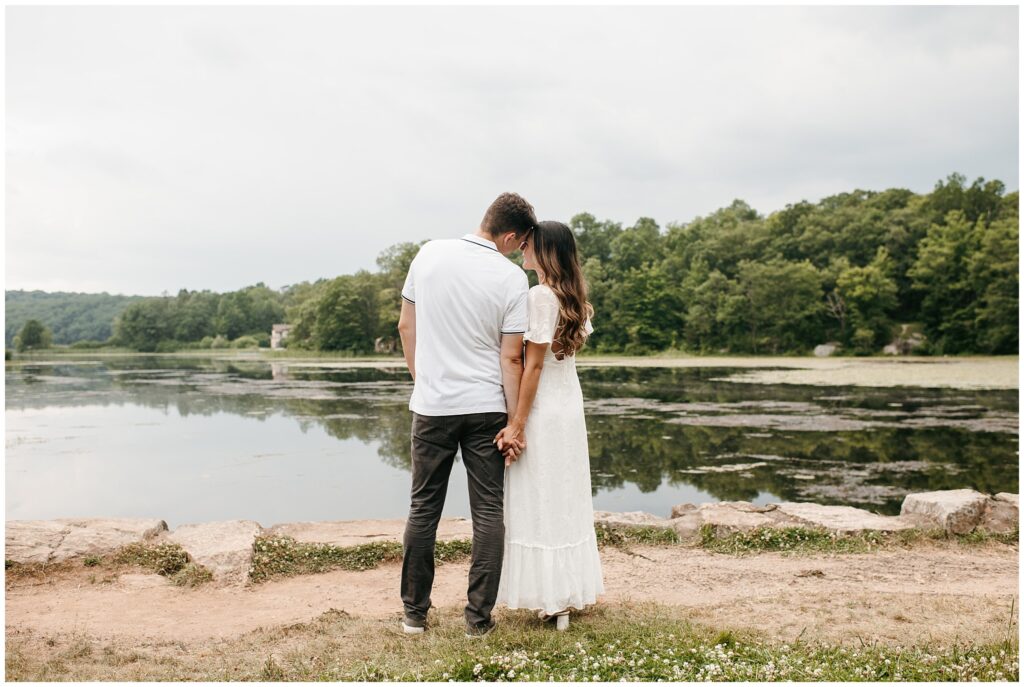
(513, 432)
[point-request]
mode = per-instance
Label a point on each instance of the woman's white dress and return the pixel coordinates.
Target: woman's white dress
(551, 561)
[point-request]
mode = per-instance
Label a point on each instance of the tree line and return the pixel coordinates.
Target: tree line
(70, 317)
(851, 269)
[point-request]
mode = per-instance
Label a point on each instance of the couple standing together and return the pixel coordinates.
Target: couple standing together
(516, 414)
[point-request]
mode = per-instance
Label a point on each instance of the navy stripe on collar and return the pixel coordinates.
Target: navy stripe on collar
(478, 244)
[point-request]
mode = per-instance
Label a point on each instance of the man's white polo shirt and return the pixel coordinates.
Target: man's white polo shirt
(467, 295)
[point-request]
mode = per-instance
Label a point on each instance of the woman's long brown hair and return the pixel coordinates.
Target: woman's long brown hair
(554, 248)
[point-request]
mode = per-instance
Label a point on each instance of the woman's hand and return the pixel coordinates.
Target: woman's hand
(511, 441)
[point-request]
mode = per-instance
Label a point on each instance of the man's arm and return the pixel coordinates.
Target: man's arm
(511, 369)
(407, 332)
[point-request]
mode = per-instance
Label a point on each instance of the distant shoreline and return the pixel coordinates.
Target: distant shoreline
(960, 372)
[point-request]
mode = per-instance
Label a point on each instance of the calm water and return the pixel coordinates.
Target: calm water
(191, 440)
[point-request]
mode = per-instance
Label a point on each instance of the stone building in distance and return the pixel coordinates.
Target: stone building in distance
(278, 333)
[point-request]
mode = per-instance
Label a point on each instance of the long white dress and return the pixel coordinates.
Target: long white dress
(551, 561)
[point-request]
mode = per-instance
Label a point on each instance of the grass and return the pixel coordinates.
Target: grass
(169, 560)
(810, 541)
(607, 643)
(280, 555)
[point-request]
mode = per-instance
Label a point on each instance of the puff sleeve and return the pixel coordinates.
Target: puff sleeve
(542, 310)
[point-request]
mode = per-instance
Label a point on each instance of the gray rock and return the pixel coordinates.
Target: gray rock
(738, 516)
(687, 526)
(1001, 514)
(224, 548)
(843, 518)
(355, 532)
(52, 541)
(683, 509)
(954, 510)
(825, 350)
(633, 518)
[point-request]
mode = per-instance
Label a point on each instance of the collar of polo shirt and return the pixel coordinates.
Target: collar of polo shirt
(480, 241)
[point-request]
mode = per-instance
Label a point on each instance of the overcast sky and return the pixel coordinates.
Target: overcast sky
(152, 149)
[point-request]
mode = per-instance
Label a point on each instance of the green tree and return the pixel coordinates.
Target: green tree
(994, 275)
(783, 304)
(870, 295)
(941, 274)
(33, 335)
(348, 314)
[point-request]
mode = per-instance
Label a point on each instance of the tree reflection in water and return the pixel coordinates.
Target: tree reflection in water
(648, 427)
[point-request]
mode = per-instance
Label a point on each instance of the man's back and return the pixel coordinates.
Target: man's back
(466, 295)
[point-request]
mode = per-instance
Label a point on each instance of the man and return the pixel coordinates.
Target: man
(462, 325)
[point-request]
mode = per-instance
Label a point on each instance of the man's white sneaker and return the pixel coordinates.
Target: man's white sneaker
(411, 626)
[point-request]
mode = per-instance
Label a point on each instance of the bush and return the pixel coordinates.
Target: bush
(206, 342)
(245, 342)
(863, 341)
(168, 346)
(88, 343)
(219, 342)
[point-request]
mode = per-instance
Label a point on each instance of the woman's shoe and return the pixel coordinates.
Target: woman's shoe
(561, 619)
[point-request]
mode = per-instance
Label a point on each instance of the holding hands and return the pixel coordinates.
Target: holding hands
(511, 441)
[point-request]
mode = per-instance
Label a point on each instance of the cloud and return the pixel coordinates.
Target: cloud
(156, 148)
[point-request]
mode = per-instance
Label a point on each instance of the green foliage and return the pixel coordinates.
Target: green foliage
(816, 540)
(33, 336)
(70, 316)
(850, 268)
(279, 555)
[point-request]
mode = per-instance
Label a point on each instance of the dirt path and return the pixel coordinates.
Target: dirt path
(937, 593)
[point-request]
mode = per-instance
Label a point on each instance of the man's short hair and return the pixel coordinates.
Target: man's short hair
(509, 212)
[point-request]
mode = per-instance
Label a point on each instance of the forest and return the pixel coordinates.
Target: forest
(855, 269)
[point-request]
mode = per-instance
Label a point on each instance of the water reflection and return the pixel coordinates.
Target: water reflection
(201, 440)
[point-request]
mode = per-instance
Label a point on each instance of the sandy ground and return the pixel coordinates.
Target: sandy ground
(932, 593)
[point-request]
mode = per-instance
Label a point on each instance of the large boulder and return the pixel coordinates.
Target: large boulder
(630, 519)
(726, 517)
(826, 349)
(224, 548)
(52, 541)
(355, 532)
(1001, 513)
(845, 519)
(954, 510)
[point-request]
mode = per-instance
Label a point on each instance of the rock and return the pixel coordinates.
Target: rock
(955, 510)
(826, 349)
(355, 532)
(843, 518)
(687, 526)
(634, 519)
(51, 541)
(728, 517)
(224, 548)
(683, 509)
(1001, 514)
(891, 349)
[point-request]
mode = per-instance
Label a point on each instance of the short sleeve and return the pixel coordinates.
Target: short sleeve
(543, 315)
(409, 289)
(515, 319)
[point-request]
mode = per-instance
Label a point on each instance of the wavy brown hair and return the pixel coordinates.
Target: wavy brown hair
(554, 248)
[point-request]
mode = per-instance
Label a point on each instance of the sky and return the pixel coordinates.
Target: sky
(151, 149)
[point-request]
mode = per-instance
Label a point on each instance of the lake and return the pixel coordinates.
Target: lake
(193, 440)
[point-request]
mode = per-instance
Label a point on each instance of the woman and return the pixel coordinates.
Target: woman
(551, 562)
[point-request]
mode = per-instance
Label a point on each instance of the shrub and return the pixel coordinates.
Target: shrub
(245, 342)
